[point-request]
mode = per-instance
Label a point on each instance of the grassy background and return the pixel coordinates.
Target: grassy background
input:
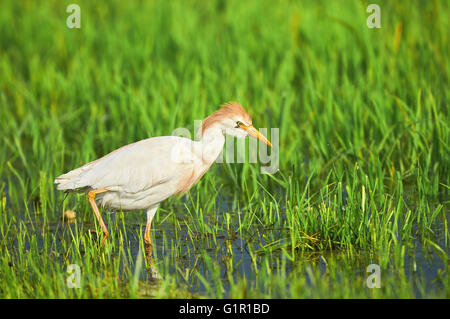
(364, 142)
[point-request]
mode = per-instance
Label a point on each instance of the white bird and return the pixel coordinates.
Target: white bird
(141, 175)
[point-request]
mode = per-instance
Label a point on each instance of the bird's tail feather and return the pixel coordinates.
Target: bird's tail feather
(71, 180)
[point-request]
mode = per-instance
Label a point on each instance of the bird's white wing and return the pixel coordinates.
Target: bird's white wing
(135, 167)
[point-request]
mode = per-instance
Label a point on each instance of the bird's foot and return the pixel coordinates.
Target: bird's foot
(105, 236)
(151, 267)
(148, 250)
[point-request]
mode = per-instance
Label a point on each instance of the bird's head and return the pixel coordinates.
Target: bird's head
(233, 120)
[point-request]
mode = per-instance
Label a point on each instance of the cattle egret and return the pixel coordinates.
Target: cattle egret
(141, 175)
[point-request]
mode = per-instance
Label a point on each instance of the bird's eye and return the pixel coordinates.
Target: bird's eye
(238, 124)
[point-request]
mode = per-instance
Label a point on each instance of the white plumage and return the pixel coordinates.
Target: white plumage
(137, 175)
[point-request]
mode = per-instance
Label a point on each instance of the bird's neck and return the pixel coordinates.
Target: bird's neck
(212, 142)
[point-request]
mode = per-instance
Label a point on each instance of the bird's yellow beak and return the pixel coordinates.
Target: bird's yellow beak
(255, 133)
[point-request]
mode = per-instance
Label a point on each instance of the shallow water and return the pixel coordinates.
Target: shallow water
(419, 263)
(239, 254)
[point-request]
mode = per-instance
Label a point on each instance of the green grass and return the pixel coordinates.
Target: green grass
(364, 146)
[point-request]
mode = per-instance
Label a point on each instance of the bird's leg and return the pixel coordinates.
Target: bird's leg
(91, 196)
(148, 241)
(147, 238)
